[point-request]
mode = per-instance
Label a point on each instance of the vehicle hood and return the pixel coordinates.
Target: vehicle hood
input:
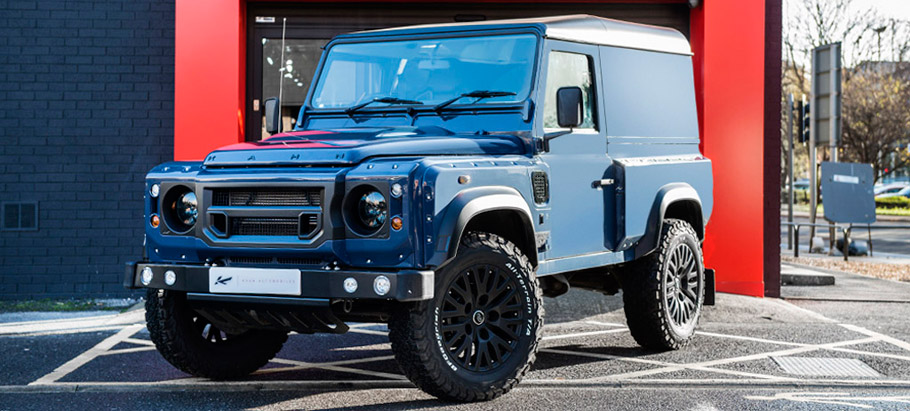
(351, 146)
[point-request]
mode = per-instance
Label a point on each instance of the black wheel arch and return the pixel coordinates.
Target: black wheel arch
(679, 201)
(495, 210)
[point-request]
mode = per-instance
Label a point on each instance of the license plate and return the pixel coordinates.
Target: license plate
(234, 280)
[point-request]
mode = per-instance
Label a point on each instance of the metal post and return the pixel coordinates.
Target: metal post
(796, 237)
(833, 127)
(813, 173)
(790, 177)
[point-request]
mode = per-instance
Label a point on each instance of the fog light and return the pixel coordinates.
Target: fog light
(382, 285)
(350, 285)
(397, 223)
(154, 190)
(146, 276)
(396, 190)
(154, 221)
(170, 277)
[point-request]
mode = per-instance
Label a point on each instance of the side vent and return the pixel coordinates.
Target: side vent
(541, 185)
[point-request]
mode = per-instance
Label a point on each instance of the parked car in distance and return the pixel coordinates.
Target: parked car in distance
(442, 179)
(887, 190)
(903, 192)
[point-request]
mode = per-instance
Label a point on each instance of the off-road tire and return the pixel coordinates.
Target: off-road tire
(417, 330)
(647, 306)
(171, 327)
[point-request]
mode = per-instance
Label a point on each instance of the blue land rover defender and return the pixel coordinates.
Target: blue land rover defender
(442, 179)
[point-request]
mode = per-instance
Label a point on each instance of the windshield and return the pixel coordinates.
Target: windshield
(430, 71)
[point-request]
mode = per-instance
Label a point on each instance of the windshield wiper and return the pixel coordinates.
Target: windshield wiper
(478, 94)
(387, 100)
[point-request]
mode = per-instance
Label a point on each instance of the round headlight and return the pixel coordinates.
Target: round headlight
(185, 208)
(372, 209)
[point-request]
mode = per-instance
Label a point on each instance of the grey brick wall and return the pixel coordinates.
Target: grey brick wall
(86, 109)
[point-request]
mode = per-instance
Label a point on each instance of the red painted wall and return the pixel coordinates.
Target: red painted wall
(728, 42)
(209, 76)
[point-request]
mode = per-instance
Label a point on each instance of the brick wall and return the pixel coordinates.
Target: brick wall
(86, 109)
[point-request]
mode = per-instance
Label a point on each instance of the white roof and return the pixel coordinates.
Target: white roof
(583, 28)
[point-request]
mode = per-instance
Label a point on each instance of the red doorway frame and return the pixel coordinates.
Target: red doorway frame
(736, 45)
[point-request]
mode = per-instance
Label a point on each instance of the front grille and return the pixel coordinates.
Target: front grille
(541, 187)
(269, 226)
(261, 197)
(245, 260)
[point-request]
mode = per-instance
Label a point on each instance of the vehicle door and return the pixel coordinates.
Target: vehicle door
(578, 161)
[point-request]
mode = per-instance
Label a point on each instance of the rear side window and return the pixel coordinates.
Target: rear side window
(568, 70)
(648, 94)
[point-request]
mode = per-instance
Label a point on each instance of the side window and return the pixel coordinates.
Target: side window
(567, 70)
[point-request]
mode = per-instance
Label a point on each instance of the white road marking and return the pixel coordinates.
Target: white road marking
(583, 334)
(139, 341)
(886, 338)
(667, 367)
(66, 332)
(371, 332)
(84, 324)
(127, 350)
(830, 398)
(606, 324)
(87, 356)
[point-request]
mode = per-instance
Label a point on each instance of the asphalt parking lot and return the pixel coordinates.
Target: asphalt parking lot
(749, 353)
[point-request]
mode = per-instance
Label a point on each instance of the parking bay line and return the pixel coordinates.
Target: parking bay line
(85, 357)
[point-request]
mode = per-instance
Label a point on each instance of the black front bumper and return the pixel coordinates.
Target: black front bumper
(316, 285)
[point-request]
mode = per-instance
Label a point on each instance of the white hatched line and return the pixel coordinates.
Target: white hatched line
(583, 334)
(872, 354)
(755, 339)
(139, 341)
(87, 356)
(606, 324)
(127, 350)
(886, 338)
(667, 367)
(68, 331)
(370, 332)
(301, 365)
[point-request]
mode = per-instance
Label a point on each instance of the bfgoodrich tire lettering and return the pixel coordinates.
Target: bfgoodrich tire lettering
(479, 335)
(663, 292)
(195, 346)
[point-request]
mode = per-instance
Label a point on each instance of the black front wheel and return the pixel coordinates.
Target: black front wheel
(194, 345)
(479, 335)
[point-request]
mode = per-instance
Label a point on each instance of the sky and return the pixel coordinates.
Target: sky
(890, 8)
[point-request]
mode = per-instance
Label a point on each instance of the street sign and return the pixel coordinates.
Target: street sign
(847, 192)
(826, 94)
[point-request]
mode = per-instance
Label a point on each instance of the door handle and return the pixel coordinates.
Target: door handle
(601, 183)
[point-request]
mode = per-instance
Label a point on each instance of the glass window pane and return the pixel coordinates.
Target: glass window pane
(568, 70)
(301, 56)
(429, 70)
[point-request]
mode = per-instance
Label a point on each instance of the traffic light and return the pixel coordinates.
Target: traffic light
(804, 122)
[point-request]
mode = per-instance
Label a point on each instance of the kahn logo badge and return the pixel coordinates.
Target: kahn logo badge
(223, 281)
(295, 157)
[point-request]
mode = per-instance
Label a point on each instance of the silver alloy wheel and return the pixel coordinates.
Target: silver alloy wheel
(681, 285)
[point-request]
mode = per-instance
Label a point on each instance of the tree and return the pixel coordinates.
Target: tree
(876, 121)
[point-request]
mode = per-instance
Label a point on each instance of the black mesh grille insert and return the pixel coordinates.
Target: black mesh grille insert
(541, 187)
(262, 197)
(270, 226)
(273, 260)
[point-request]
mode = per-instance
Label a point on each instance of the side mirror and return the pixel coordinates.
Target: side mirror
(569, 112)
(272, 115)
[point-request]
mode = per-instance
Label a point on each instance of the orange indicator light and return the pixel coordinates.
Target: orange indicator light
(397, 223)
(154, 221)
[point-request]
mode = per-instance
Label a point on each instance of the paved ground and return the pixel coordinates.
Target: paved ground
(588, 361)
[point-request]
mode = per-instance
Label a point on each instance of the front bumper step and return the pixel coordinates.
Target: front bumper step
(406, 285)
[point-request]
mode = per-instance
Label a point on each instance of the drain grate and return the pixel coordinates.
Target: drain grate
(825, 367)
